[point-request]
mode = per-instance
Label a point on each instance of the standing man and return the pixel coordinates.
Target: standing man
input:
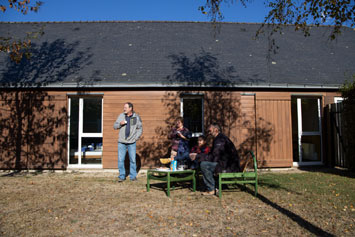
(223, 157)
(130, 125)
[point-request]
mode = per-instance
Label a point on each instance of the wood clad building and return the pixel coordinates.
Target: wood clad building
(57, 109)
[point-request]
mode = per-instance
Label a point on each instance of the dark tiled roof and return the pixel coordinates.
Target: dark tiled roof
(150, 54)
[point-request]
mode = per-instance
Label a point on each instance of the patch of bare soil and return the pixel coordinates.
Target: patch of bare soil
(95, 204)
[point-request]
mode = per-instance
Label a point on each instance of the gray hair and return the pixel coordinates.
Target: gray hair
(216, 125)
(129, 105)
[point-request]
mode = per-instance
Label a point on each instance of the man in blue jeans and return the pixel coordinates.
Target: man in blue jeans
(130, 125)
(223, 157)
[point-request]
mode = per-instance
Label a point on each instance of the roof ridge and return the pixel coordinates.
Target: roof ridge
(119, 21)
(152, 21)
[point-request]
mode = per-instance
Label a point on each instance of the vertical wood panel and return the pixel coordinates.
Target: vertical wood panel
(33, 132)
(275, 131)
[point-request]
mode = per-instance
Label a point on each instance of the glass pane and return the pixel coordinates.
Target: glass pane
(91, 150)
(74, 130)
(311, 148)
(92, 115)
(192, 109)
(310, 119)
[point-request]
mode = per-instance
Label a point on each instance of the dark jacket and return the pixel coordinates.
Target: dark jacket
(179, 144)
(225, 154)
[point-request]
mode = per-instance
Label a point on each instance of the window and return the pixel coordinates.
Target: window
(192, 112)
(85, 131)
(306, 130)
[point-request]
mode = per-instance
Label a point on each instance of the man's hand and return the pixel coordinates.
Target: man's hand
(123, 122)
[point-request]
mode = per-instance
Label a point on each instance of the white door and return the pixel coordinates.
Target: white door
(85, 132)
(308, 127)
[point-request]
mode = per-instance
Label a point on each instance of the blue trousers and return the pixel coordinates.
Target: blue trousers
(122, 150)
(207, 169)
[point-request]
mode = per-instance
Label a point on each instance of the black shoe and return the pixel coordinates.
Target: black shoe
(120, 180)
(135, 179)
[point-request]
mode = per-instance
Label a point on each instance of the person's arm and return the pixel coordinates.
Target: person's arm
(139, 127)
(185, 134)
(118, 124)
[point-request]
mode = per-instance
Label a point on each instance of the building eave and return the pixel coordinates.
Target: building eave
(169, 85)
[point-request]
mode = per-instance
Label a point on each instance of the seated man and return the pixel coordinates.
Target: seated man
(223, 157)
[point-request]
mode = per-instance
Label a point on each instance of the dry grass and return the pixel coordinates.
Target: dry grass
(94, 204)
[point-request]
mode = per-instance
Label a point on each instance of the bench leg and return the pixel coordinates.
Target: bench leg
(148, 182)
(168, 185)
(219, 186)
(194, 183)
(256, 188)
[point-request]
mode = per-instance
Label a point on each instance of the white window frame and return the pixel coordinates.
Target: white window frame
(338, 99)
(81, 135)
(193, 96)
(302, 133)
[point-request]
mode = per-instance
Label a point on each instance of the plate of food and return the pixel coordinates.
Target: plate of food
(165, 161)
(162, 169)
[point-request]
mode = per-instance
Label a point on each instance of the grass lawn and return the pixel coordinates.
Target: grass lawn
(312, 203)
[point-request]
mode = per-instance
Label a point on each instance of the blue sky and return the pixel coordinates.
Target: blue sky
(134, 10)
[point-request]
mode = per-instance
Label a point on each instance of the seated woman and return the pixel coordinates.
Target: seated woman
(180, 142)
(200, 149)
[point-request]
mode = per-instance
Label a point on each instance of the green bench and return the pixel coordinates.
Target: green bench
(244, 177)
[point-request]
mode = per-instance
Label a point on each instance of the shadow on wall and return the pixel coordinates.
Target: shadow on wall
(259, 139)
(220, 106)
(33, 131)
(33, 123)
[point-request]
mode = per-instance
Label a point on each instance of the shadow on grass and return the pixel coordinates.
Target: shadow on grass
(21, 173)
(327, 170)
(173, 186)
(293, 216)
(265, 183)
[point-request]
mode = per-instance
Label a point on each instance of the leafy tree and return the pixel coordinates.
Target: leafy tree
(301, 13)
(17, 48)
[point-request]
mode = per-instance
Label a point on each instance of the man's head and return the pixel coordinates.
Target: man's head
(128, 108)
(214, 129)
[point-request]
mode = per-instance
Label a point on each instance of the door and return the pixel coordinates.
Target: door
(85, 132)
(306, 131)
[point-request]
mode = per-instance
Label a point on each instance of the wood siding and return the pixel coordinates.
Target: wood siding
(266, 123)
(33, 130)
(152, 108)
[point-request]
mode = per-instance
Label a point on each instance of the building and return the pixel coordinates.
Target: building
(58, 108)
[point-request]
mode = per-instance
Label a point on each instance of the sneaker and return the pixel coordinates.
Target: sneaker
(120, 180)
(135, 179)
